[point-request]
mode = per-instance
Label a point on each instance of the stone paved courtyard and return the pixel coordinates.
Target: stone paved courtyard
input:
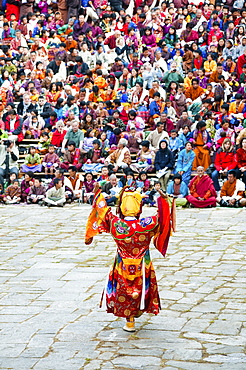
(51, 285)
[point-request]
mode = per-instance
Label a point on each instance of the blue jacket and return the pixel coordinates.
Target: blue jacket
(154, 108)
(183, 189)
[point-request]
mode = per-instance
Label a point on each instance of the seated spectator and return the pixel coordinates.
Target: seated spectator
(74, 182)
(33, 126)
(202, 143)
(36, 193)
(43, 144)
(164, 163)
(195, 91)
(184, 163)
(55, 196)
(136, 121)
(89, 184)
(156, 107)
(179, 190)
(95, 158)
(50, 161)
(13, 193)
(26, 185)
(202, 191)
(104, 176)
(111, 190)
(241, 160)
(184, 136)
(145, 159)
(13, 126)
(232, 192)
(72, 157)
(32, 161)
(153, 195)
(228, 131)
(167, 123)
(88, 140)
(133, 141)
(142, 182)
(183, 121)
(127, 179)
(225, 160)
(156, 136)
(75, 135)
(59, 134)
(120, 158)
(174, 143)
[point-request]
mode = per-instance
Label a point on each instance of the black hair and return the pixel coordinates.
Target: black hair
(56, 181)
(72, 168)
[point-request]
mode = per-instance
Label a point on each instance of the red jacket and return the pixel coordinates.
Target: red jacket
(111, 42)
(225, 160)
(57, 138)
(218, 33)
(17, 127)
(241, 157)
(240, 63)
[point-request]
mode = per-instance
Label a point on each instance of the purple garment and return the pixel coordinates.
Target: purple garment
(25, 188)
(149, 40)
(242, 91)
(166, 29)
(134, 40)
(36, 82)
(203, 82)
(43, 7)
(89, 186)
(34, 168)
(37, 190)
(79, 30)
(96, 30)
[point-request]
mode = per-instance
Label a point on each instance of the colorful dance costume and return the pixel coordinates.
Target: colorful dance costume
(131, 288)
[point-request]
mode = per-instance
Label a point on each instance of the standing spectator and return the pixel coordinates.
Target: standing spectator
(9, 156)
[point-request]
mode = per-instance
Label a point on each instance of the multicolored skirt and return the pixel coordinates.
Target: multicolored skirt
(131, 288)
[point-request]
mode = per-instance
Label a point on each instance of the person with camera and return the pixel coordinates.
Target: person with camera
(9, 156)
(173, 75)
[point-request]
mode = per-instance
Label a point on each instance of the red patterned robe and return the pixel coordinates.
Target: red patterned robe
(131, 287)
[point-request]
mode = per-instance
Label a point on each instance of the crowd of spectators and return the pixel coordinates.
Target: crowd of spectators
(147, 90)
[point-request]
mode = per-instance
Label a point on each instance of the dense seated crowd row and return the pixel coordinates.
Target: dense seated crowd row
(115, 86)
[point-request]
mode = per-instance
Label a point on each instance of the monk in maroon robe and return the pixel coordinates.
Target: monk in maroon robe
(202, 191)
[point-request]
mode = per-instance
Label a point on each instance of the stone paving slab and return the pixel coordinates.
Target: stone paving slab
(51, 284)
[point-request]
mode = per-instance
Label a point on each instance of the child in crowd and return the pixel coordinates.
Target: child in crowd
(26, 185)
(36, 193)
(43, 143)
(89, 183)
(32, 161)
(13, 193)
(50, 161)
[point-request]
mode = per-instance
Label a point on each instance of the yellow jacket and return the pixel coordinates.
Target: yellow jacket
(210, 66)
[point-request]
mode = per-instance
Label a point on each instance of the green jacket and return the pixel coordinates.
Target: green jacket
(172, 77)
